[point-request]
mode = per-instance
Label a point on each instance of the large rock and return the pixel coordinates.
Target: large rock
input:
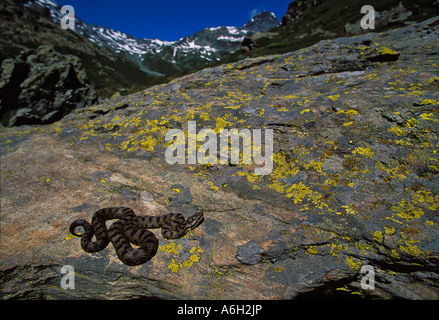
(354, 185)
(41, 86)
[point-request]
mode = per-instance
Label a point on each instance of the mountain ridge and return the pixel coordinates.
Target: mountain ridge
(159, 57)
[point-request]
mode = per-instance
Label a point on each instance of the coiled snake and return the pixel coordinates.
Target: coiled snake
(132, 229)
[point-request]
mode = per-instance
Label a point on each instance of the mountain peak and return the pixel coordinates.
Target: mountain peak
(261, 22)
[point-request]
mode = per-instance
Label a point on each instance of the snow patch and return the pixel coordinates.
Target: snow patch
(226, 38)
(233, 30)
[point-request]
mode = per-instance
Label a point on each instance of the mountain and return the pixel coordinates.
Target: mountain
(261, 22)
(115, 61)
(159, 58)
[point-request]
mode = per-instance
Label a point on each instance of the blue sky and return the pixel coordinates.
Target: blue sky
(170, 20)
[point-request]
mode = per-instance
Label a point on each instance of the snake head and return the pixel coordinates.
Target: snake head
(195, 220)
(78, 223)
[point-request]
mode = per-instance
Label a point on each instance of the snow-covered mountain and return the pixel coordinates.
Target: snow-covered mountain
(158, 57)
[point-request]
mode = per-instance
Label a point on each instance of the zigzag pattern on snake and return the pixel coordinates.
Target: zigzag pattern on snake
(131, 229)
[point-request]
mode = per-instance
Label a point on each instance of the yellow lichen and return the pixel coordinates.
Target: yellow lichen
(394, 253)
(399, 172)
(349, 209)
(305, 111)
(397, 130)
(148, 143)
(412, 122)
(251, 177)
(407, 210)
(389, 230)
(317, 165)
(194, 258)
(170, 248)
(221, 123)
(312, 250)
(174, 266)
(71, 236)
(354, 264)
(430, 101)
(350, 112)
(364, 248)
(334, 97)
(378, 236)
(233, 106)
(386, 50)
(204, 116)
(410, 248)
(367, 152)
(298, 192)
(260, 113)
(278, 269)
(335, 248)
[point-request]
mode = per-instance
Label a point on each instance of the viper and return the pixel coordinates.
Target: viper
(132, 229)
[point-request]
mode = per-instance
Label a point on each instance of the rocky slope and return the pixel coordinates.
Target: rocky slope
(309, 21)
(354, 180)
(41, 86)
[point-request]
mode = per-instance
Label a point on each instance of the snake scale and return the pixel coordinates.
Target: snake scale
(131, 229)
